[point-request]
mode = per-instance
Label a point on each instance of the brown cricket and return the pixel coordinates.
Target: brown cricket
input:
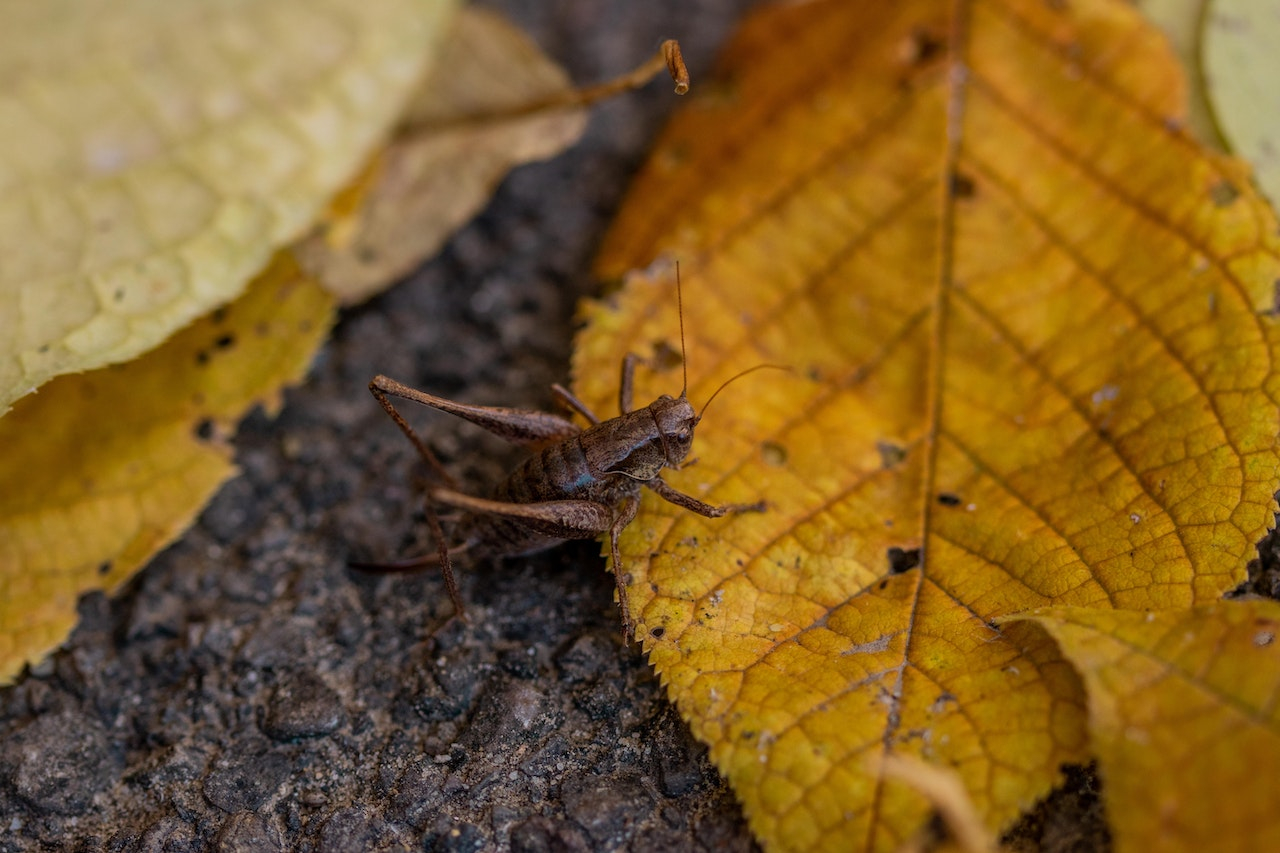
(580, 482)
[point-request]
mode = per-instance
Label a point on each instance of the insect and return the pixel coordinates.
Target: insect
(579, 483)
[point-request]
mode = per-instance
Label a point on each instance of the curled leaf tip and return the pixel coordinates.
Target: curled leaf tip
(675, 65)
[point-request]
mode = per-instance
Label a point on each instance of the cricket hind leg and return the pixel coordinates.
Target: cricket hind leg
(518, 426)
(524, 427)
(407, 565)
(571, 519)
(380, 387)
(568, 519)
(415, 564)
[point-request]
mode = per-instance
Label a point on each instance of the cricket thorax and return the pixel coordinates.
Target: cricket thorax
(639, 444)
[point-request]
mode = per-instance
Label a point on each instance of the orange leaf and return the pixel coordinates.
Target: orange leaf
(1030, 326)
(1184, 720)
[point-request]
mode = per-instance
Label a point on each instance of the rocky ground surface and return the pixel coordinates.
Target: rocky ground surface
(247, 691)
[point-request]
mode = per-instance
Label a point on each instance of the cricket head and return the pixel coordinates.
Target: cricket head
(676, 419)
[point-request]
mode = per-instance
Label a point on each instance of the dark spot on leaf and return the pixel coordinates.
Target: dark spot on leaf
(202, 357)
(961, 186)
(665, 356)
(105, 568)
(923, 47)
(657, 632)
(940, 704)
(1223, 193)
(224, 341)
(890, 454)
(118, 296)
(903, 560)
(883, 584)
(44, 349)
(948, 499)
(773, 453)
(204, 429)
(219, 314)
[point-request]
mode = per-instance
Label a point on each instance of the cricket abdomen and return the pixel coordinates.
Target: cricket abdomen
(556, 473)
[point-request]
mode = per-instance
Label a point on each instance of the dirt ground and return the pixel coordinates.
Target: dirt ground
(247, 691)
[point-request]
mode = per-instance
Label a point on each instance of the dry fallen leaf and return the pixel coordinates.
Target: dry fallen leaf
(1183, 23)
(432, 179)
(1240, 62)
(1031, 329)
(1184, 720)
(115, 463)
(156, 154)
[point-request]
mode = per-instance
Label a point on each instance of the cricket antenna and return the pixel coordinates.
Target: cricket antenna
(736, 377)
(684, 355)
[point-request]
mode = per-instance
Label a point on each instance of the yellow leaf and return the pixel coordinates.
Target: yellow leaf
(103, 469)
(155, 155)
(1183, 719)
(1240, 67)
(431, 180)
(1033, 365)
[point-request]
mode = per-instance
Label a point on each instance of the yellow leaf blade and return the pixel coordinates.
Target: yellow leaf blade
(1183, 718)
(156, 155)
(1027, 322)
(105, 468)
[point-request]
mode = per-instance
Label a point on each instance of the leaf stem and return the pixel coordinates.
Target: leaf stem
(668, 57)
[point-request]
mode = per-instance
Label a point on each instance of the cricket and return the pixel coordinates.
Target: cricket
(580, 482)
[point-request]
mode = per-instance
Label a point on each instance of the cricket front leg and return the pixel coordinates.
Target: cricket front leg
(673, 495)
(627, 382)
